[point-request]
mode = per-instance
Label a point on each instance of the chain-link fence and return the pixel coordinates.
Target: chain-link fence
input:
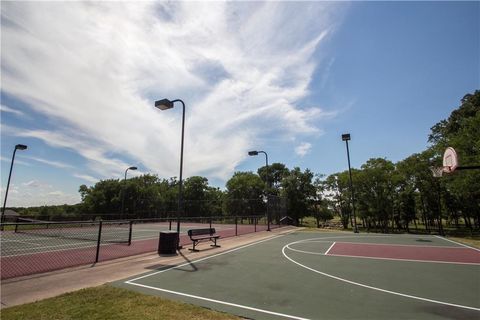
(33, 246)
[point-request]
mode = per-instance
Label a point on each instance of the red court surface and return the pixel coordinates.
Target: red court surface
(406, 252)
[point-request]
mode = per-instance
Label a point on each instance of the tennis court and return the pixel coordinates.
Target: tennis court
(36, 248)
(314, 275)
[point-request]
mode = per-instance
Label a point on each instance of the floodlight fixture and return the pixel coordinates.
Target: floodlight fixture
(164, 104)
(346, 136)
(20, 147)
(253, 153)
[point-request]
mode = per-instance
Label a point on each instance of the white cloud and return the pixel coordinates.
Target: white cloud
(36, 193)
(23, 163)
(241, 68)
(56, 193)
(32, 183)
(303, 149)
(56, 164)
(86, 178)
(4, 108)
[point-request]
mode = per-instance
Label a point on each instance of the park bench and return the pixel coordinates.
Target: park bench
(197, 235)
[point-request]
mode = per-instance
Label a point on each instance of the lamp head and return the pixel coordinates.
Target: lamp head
(253, 153)
(132, 168)
(164, 104)
(20, 147)
(346, 136)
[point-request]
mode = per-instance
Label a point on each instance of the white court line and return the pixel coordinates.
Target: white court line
(85, 245)
(131, 282)
(220, 302)
(47, 251)
(378, 258)
(461, 244)
(330, 248)
(203, 259)
(394, 244)
(367, 286)
(26, 242)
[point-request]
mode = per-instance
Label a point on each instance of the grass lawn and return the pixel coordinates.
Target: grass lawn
(106, 302)
(471, 241)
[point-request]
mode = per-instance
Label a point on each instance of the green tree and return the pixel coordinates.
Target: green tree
(298, 189)
(276, 172)
(335, 187)
(462, 132)
(245, 194)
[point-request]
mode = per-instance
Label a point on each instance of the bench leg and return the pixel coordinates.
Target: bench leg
(194, 244)
(215, 243)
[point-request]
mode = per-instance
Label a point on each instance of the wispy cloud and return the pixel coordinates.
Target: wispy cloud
(32, 183)
(303, 149)
(86, 177)
(242, 69)
(56, 164)
(4, 108)
(36, 184)
(23, 163)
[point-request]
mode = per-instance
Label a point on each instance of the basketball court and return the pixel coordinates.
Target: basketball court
(315, 275)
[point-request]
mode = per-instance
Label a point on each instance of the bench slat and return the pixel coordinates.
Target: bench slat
(201, 232)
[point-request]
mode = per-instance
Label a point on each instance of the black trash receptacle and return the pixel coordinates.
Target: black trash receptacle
(168, 242)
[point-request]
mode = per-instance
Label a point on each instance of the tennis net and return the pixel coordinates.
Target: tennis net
(102, 231)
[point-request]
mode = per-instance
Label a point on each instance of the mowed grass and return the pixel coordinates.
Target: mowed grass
(471, 241)
(106, 302)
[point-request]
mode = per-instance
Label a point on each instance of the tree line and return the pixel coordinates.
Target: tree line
(388, 196)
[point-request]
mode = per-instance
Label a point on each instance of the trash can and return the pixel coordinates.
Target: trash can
(168, 242)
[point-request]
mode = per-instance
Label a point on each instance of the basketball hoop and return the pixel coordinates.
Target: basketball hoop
(438, 171)
(450, 163)
(450, 159)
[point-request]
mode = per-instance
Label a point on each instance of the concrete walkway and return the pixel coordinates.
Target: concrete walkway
(37, 287)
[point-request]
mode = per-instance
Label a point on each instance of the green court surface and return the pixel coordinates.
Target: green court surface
(313, 275)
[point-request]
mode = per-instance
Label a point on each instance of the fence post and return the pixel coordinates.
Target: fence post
(210, 223)
(130, 232)
(99, 240)
(255, 223)
(236, 226)
(169, 224)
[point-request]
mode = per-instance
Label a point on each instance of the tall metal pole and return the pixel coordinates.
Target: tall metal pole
(351, 188)
(180, 183)
(254, 153)
(21, 147)
(124, 189)
(165, 104)
(268, 186)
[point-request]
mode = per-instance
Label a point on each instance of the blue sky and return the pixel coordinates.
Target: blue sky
(79, 81)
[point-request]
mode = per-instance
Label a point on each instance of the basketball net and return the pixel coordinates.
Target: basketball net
(439, 171)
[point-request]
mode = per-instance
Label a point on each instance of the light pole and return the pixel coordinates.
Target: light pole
(346, 137)
(255, 153)
(17, 147)
(165, 104)
(124, 189)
